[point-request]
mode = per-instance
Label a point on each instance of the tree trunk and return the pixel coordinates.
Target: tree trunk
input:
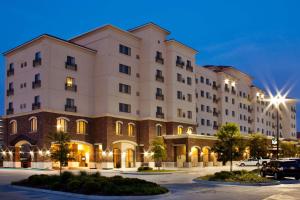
(230, 159)
(60, 167)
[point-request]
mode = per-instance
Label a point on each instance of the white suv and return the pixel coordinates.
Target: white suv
(249, 162)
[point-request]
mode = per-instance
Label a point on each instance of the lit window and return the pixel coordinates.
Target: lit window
(179, 130)
(33, 124)
(130, 129)
(189, 130)
(62, 125)
(81, 127)
(70, 81)
(119, 128)
(158, 130)
(13, 127)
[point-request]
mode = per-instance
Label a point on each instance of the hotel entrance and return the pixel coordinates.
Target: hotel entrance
(124, 154)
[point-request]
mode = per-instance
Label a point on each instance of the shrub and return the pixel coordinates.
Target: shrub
(145, 169)
(89, 187)
(65, 176)
(83, 173)
(73, 185)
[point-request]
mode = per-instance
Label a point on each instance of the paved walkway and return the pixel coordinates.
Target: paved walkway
(180, 184)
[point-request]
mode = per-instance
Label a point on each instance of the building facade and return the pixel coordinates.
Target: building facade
(114, 91)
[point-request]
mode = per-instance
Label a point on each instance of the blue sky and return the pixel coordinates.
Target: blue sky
(258, 37)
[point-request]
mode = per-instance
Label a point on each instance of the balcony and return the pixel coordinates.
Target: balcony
(10, 72)
(72, 87)
(250, 121)
(233, 92)
(215, 100)
(179, 63)
(36, 62)
(71, 66)
(36, 84)
(36, 105)
(226, 89)
(250, 110)
(215, 87)
(215, 127)
(189, 68)
(160, 115)
(9, 92)
(70, 108)
(160, 78)
(215, 114)
(160, 97)
(10, 111)
(159, 60)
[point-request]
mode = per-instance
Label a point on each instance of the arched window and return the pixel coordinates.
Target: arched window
(179, 130)
(119, 125)
(131, 129)
(158, 130)
(33, 124)
(189, 130)
(14, 127)
(81, 126)
(62, 124)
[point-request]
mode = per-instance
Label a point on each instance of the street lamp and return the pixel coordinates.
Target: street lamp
(276, 101)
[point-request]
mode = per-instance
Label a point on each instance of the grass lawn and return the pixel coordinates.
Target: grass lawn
(93, 184)
(241, 176)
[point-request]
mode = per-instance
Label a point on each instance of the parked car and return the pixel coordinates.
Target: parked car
(295, 159)
(253, 162)
(249, 162)
(280, 169)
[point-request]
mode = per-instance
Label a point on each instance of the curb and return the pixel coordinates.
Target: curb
(83, 196)
(234, 183)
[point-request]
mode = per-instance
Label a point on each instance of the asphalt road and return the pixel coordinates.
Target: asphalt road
(180, 185)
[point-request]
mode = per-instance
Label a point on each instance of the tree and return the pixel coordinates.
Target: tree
(288, 149)
(230, 144)
(258, 145)
(159, 150)
(60, 150)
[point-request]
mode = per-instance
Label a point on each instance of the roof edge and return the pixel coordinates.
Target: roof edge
(149, 24)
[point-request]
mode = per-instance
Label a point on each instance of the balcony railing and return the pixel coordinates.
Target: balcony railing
(215, 127)
(226, 89)
(10, 92)
(10, 72)
(215, 87)
(71, 66)
(215, 114)
(36, 62)
(179, 63)
(189, 68)
(160, 78)
(250, 121)
(160, 97)
(160, 115)
(159, 60)
(233, 92)
(9, 111)
(36, 84)
(250, 110)
(69, 108)
(72, 88)
(36, 105)
(215, 100)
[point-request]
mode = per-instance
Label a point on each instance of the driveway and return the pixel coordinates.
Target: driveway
(180, 184)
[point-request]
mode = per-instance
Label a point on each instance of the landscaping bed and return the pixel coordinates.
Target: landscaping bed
(151, 170)
(241, 177)
(93, 184)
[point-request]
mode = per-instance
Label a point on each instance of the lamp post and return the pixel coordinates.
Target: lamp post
(276, 101)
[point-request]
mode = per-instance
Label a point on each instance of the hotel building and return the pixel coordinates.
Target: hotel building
(114, 91)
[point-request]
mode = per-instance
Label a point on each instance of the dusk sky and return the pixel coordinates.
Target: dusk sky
(260, 38)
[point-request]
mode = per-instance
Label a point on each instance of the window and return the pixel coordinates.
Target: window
(233, 114)
(81, 127)
(179, 77)
(62, 125)
(202, 79)
(179, 95)
(70, 81)
(159, 110)
(37, 77)
(189, 80)
(124, 108)
(124, 69)
(71, 60)
(233, 101)
(202, 122)
(124, 50)
(189, 114)
(119, 125)
(207, 81)
(226, 111)
(158, 130)
(189, 97)
(189, 130)
(130, 129)
(70, 102)
(179, 130)
(226, 99)
(14, 127)
(202, 107)
(36, 99)
(123, 88)
(33, 124)
(202, 93)
(38, 56)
